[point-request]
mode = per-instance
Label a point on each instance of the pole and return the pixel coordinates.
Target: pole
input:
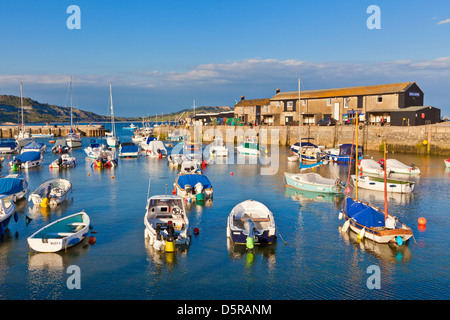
(385, 186)
(356, 157)
(299, 126)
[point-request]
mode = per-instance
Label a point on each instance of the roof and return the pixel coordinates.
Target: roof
(252, 102)
(407, 109)
(345, 92)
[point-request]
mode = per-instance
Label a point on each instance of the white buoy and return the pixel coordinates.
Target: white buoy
(340, 215)
(362, 233)
(157, 245)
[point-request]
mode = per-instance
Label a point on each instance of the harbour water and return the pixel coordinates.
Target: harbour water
(311, 259)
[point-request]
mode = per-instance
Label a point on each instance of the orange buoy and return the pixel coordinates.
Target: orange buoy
(422, 221)
(89, 174)
(112, 177)
(422, 227)
(91, 240)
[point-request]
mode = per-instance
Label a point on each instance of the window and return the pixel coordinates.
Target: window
(252, 109)
(304, 102)
(346, 101)
(329, 102)
(290, 105)
(380, 99)
(266, 109)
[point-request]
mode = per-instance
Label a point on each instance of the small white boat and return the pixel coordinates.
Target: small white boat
(190, 166)
(166, 222)
(218, 148)
(27, 160)
(129, 150)
(142, 134)
(447, 163)
(9, 146)
(35, 146)
(14, 186)
(249, 147)
(24, 138)
(131, 127)
(175, 160)
(372, 167)
(154, 148)
(73, 140)
(377, 184)
(314, 182)
(63, 162)
(251, 222)
(397, 167)
(177, 135)
(51, 192)
(7, 210)
(42, 135)
(294, 157)
(95, 150)
(60, 234)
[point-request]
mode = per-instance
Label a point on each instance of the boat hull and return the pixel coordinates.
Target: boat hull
(314, 187)
(396, 186)
(447, 163)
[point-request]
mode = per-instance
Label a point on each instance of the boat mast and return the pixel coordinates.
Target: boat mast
(112, 110)
(21, 108)
(299, 126)
(356, 157)
(71, 118)
(385, 186)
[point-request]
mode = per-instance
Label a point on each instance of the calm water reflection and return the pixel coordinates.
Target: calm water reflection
(311, 259)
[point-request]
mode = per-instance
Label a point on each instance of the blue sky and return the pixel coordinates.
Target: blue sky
(161, 55)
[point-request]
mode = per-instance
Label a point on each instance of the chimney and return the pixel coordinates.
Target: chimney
(242, 98)
(277, 91)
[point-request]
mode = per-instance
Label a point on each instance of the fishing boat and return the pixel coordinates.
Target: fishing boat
(218, 148)
(35, 146)
(7, 210)
(194, 187)
(314, 182)
(345, 150)
(251, 222)
(396, 167)
(377, 184)
(51, 192)
(250, 146)
(166, 222)
(22, 137)
(61, 234)
(27, 160)
(370, 222)
(372, 167)
(447, 163)
(9, 146)
(154, 148)
(129, 150)
(63, 162)
(111, 138)
(73, 139)
(131, 127)
(61, 146)
(14, 186)
(142, 134)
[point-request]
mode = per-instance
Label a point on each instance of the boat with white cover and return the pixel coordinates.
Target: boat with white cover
(60, 234)
(396, 167)
(218, 148)
(166, 221)
(372, 167)
(251, 222)
(154, 148)
(54, 190)
(61, 146)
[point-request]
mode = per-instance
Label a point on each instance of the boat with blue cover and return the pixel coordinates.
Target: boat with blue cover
(7, 210)
(34, 146)
(13, 186)
(129, 150)
(194, 186)
(27, 160)
(251, 222)
(345, 152)
(9, 146)
(61, 234)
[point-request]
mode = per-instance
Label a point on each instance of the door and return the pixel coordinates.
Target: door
(336, 111)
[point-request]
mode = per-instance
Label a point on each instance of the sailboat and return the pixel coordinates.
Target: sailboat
(369, 221)
(23, 137)
(73, 139)
(111, 139)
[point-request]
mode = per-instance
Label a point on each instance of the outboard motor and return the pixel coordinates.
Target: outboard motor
(188, 188)
(250, 231)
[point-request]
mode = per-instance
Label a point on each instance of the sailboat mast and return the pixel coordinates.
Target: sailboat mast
(112, 110)
(385, 186)
(356, 156)
(71, 118)
(21, 107)
(299, 126)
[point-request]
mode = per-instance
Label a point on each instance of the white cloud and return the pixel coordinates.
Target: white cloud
(444, 21)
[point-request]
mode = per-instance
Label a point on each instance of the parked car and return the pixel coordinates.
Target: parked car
(327, 122)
